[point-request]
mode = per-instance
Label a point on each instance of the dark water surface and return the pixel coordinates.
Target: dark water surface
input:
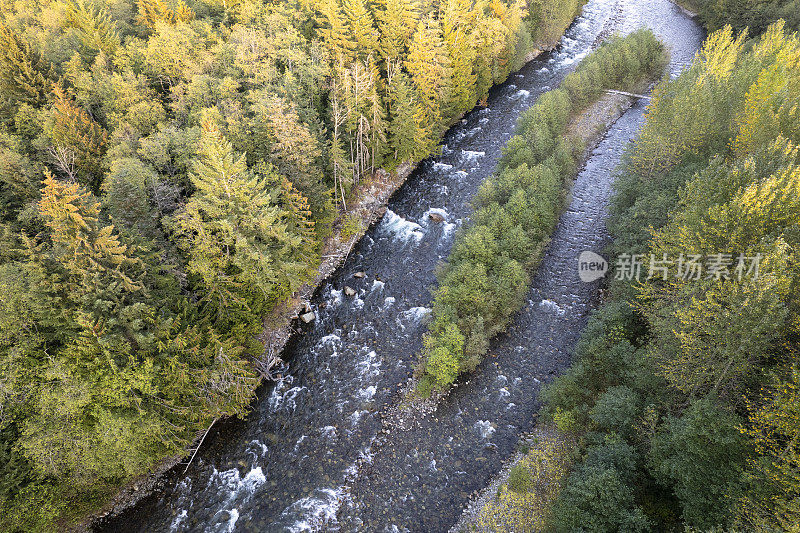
(286, 467)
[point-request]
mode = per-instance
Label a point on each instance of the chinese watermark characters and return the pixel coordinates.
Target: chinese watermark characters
(687, 267)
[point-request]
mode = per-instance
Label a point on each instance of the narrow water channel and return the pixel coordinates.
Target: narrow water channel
(286, 468)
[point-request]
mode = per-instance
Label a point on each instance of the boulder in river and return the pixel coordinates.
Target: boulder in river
(436, 217)
(349, 291)
(308, 317)
(359, 275)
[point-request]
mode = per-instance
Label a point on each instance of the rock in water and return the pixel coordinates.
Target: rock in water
(436, 217)
(349, 291)
(359, 275)
(308, 317)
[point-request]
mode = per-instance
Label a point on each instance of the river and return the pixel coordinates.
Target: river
(292, 464)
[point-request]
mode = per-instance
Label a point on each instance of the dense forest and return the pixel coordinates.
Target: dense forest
(169, 171)
(754, 15)
(682, 402)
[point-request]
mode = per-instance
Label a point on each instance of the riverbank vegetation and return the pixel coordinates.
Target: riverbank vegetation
(684, 389)
(169, 171)
(489, 268)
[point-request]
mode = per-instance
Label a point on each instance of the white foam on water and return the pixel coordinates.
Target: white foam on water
(334, 297)
(366, 454)
(543, 70)
(441, 167)
(448, 228)
(470, 155)
(358, 303)
(332, 338)
(510, 405)
(278, 400)
(483, 120)
(522, 93)
(329, 432)
(462, 173)
(233, 516)
(485, 429)
(389, 300)
(331, 341)
(178, 520)
(415, 314)
(503, 392)
(571, 60)
(377, 285)
(355, 416)
(237, 489)
(297, 444)
(369, 367)
(317, 511)
(552, 307)
(257, 449)
(401, 228)
(432, 465)
(366, 394)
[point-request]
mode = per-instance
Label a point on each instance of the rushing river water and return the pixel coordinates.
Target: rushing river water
(291, 466)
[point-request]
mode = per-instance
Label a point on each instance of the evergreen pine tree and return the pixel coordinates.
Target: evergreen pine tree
(397, 20)
(334, 31)
(362, 27)
(408, 138)
(94, 29)
(154, 11)
(235, 235)
(24, 75)
(78, 142)
(430, 68)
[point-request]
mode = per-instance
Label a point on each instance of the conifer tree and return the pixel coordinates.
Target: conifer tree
(234, 234)
(81, 244)
(335, 31)
(460, 93)
(153, 11)
(78, 142)
(362, 27)
(397, 20)
(430, 67)
(23, 73)
(93, 27)
(295, 151)
(408, 137)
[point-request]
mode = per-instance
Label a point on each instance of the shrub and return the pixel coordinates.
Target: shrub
(595, 498)
(702, 455)
(565, 420)
(520, 479)
(616, 410)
